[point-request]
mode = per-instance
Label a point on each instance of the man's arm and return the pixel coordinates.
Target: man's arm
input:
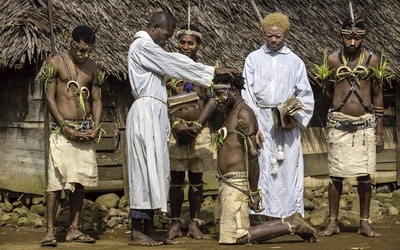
(51, 92)
(252, 154)
(377, 103)
(97, 105)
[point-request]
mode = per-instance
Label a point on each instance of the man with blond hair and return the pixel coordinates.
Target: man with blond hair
(273, 76)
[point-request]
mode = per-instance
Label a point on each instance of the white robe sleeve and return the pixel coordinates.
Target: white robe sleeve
(175, 65)
(304, 93)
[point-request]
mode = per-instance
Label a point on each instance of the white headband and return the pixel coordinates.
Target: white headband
(189, 32)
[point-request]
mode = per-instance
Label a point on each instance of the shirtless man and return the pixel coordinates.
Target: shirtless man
(190, 140)
(354, 122)
(238, 170)
(73, 100)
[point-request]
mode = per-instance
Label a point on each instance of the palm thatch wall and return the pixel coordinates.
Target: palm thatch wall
(230, 27)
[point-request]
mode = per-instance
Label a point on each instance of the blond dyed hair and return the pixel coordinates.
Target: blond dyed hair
(277, 19)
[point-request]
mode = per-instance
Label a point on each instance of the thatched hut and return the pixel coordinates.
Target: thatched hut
(231, 30)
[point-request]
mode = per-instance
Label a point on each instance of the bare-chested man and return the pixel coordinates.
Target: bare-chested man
(354, 130)
(238, 170)
(73, 100)
(190, 141)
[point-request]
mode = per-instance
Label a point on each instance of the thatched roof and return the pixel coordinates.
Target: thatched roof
(230, 28)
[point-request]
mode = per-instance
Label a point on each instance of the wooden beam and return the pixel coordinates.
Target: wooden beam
(107, 186)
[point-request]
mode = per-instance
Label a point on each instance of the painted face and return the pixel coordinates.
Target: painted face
(274, 37)
(188, 45)
(352, 42)
(80, 51)
(162, 34)
(224, 100)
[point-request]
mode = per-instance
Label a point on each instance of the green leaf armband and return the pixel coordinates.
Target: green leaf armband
(176, 123)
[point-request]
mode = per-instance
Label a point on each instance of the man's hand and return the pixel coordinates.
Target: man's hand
(378, 111)
(255, 203)
(292, 123)
(186, 135)
(75, 135)
(380, 144)
(259, 139)
(92, 134)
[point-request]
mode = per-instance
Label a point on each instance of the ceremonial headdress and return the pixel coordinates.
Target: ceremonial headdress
(350, 24)
(188, 30)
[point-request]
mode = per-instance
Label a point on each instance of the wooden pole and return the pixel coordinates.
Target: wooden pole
(253, 4)
(53, 47)
(397, 110)
(46, 122)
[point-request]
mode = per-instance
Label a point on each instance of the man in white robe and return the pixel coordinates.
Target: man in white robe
(273, 74)
(147, 126)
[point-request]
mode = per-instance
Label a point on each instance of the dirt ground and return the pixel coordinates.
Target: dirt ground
(29, 238)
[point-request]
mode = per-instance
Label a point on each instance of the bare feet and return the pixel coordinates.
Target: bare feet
(331, 229)
(139, 238)
(301, 228)
(175, 230)
(161, 237)
(366, 230)
(194, 231)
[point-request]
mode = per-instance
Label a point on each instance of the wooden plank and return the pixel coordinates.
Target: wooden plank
(107, 143)
(107, 186)
(23, 176)
(315, 164)
(386, 166)
(108, 128)
(25, 144)
(35, 111)
(387, 155)
(384, 177)
(110, 173)
(113, 158)
(12, 159)
(22, 130)
(124, 165)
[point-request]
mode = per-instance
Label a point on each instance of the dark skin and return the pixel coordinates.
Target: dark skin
(371, 92)
(160, 28)
(62, 107)
(231, 153)
(188, 45)
(230, 159)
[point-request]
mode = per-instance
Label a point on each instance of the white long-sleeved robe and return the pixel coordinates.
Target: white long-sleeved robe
(270, 79)
(147, 126)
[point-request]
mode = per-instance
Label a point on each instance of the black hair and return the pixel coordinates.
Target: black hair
(162, 19)
(358, 23)
(235, 80)
(85, 33)
(192, 27)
